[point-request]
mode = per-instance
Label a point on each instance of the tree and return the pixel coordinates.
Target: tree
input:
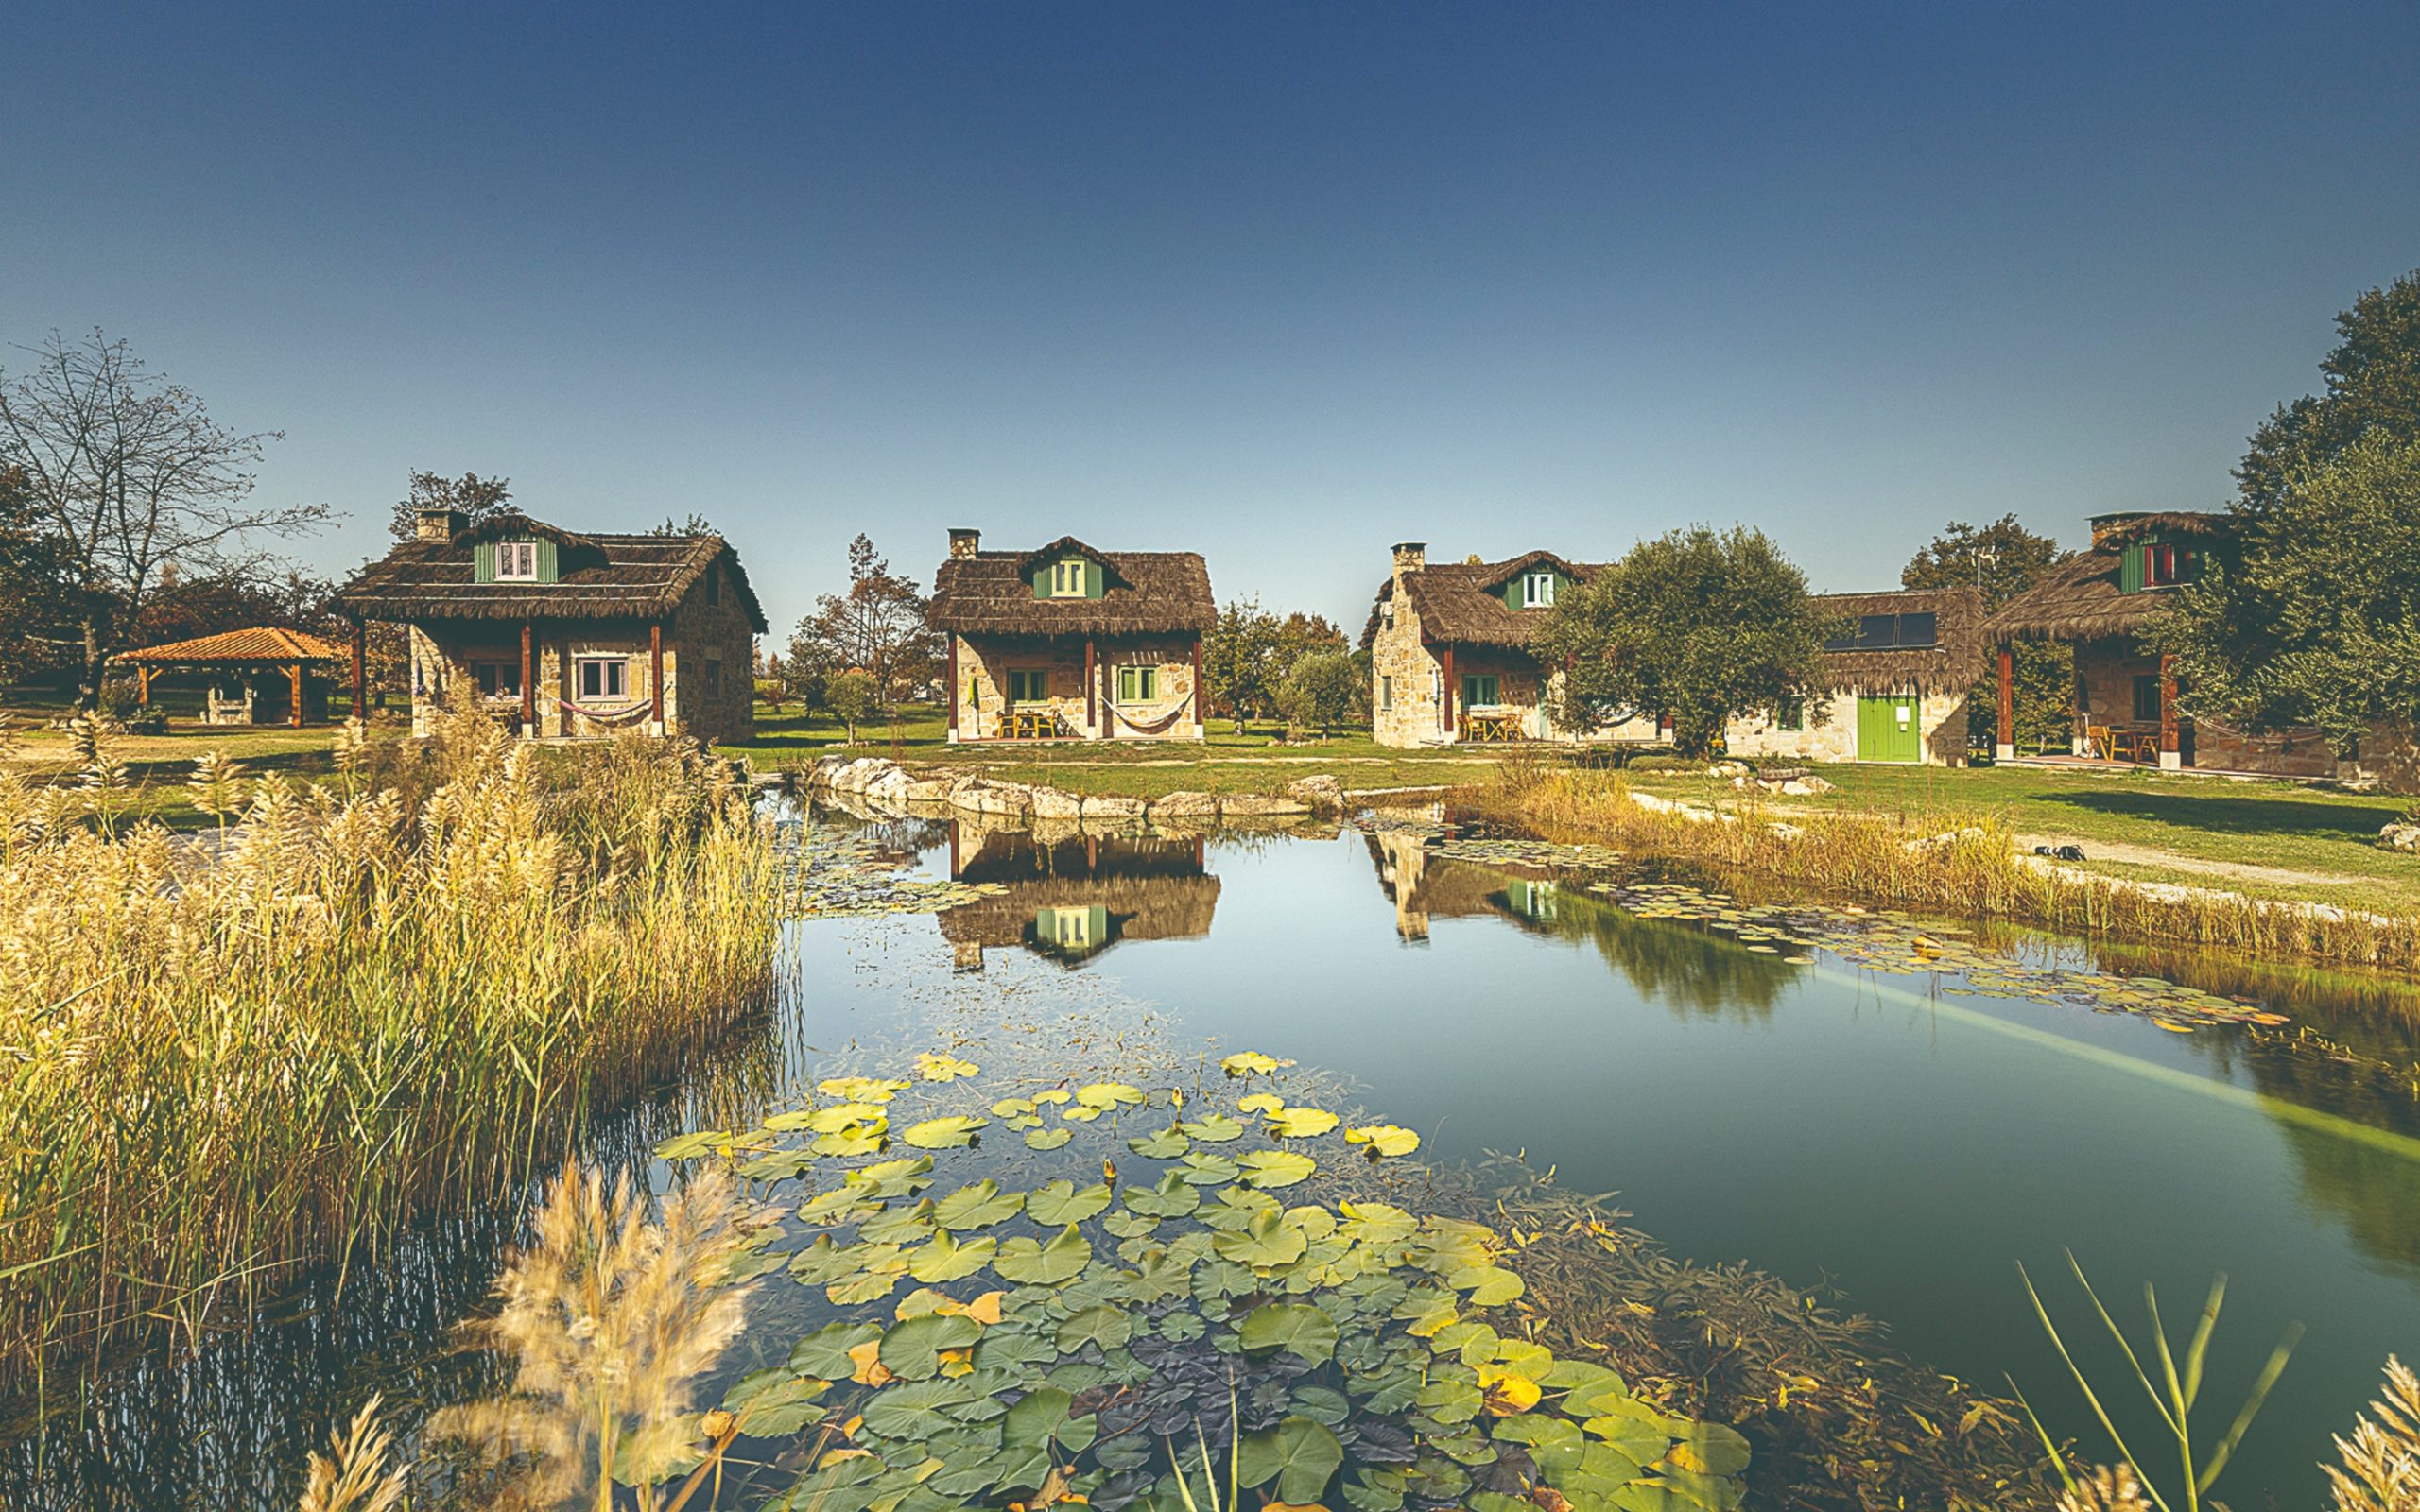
(1325, 689)
(471, 497)
(1699, 626)
(2316, 618)
(879, 627)
(38, 601)
(2008, 559)
(1239, 660)
(1300, 635)
(854, 696)
(2372, 385)
(184, 608)
(128, 473)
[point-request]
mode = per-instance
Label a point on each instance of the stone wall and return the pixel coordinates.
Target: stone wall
(982, 682)
(1830, 731)
(710, 662)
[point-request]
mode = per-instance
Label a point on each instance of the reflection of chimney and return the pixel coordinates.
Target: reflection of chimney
(966, 955)
(1410, 557)
(964, 542)
(438, 525)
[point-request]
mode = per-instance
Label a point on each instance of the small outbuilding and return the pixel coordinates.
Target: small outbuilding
(1895, 683)
(258, 675)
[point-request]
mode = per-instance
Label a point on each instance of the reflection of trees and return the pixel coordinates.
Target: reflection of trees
(2377, 1193)
(1688, 969)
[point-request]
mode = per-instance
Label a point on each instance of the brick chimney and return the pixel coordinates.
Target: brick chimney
(1410, 557)
(964, 542)
(440, 525)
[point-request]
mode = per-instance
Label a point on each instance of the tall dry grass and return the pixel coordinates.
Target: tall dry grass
(394, 992)
(1951, 861)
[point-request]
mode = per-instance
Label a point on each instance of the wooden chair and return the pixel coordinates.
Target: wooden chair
(2096, 742)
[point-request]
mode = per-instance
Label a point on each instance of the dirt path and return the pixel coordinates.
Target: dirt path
(2144, 856)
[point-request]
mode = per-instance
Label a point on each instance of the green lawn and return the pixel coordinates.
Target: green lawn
(158, 765)
(2308, 843)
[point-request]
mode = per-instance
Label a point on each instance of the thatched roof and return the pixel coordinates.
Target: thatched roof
(601, 578)
(2079, 598)
(1463, 603)
(2119, 529)
(1150, 888)
(1954, 660)
(255, 644)
(1145, 593)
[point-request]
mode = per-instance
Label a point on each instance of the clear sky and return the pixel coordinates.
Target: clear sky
(1281, 282)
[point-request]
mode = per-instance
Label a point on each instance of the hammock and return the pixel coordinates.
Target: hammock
(603, 717)
(1150, 727)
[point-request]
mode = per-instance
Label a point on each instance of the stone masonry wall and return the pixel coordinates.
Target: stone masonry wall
(984, 664)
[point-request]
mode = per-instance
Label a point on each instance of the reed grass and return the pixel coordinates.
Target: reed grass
(1950, 860)
(400, 991)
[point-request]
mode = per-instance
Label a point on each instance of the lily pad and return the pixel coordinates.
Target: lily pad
(945, 1133)
(1047, 1139)
(1250, 1063)
(1383, 1139)
(977, 1205)
(1302, 1456)
(934, 1066)
(1029, 1262)
(1296, 1328)
(1109, 1094)
(1213, 1128)
(1055, 1203)
(1276, 1168)
(1301, 1123)
(1166, 1145)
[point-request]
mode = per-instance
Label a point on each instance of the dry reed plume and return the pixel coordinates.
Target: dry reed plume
(2105, 1489)
(356, 1478)
(612, 1321)
(2381, 1468)
(369, 1003)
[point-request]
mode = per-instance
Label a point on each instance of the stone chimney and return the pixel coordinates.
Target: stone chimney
(1410, 557)
(964, 542)
(440, 525)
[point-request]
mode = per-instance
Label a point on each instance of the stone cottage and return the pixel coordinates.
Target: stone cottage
(563, 634)
(1065, 642)
(1895, 683)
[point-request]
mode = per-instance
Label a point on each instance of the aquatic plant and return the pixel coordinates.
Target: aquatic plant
(220, 1064)
(356, 1477)
(2381, 1461)
(2173, 1397)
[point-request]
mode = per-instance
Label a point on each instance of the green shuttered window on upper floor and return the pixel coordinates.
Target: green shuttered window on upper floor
(514, 562)
(1068, 577)
(1533, 589)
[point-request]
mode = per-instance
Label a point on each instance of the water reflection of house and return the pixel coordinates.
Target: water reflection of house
(1424, 886)
(1072, 895)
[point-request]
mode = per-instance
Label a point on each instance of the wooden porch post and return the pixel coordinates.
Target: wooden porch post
(1108, 705)
(1200, 699)
(2171, 754)
(361, 673)
(2004, 741)
(294, 681)
(528, 683)
(655, 674)
(1092, 687)
(1450, 689)
(953, 688)
(142, 684)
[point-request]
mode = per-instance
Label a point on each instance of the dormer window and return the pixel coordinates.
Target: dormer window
(2166, 565)
(1068, 577)
(1537, 589)
(516, 561)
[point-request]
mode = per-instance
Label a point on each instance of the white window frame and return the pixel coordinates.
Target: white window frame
(516, 561)
(1537, 591)
(612, 676)
(1386, 695)
(1068, 577)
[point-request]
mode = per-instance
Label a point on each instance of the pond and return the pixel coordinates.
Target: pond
(1845, 1099)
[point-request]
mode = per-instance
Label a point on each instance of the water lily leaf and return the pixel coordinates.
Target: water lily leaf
(1634, 1437)
(859, 1138)
(1276, 1168)
(1507, 1393)
(911, 1350)
(1374, 1489)
(1047, 1139)
(839, 1116)
(825, 1262)
(1015, 1108)
(1080, 1112)
(1711, 1448)
(1293, 1327)
(1261, 1103)
(1127, 1223)
(1322, 1404)
(934, 1066)
(979, 1205)
(1054, 1094)
(1376, 1223)
(866, 1288)
(1166, 1145)
(1250, 1063)
(1450, 1399)
(1055, 1203)
(774, 1404)
(861, 1089)
(1265, 1241)
(690, 1146)
(825, 1351)
(778, 1165)
(1523, 1358)
(1427, 1311)
(914, 1412)
(900, 1226)
(946, 1260)
(1207, 1170)
(1106, 1326)
(1301, 1123)
(945, 1133)
(1170, 1198)
(893, 1178)
(1384, 1139)
(1489, 1285)
(1012, 1349)
(1033, 1420)
(840, 1204)
(1108, 1094)
(1215, 1128)
(1029, 1262)
(1298, 1454)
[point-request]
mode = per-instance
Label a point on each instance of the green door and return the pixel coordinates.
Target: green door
(1889, 729)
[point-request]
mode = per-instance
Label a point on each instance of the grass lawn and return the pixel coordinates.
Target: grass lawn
(157, 765)
(2270, 838)
(1227, 762)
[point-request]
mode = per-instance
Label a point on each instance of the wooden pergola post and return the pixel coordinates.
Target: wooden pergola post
(655, 674)
(2004, 738)
(294, 681)
(361, 673)
(142, 684)
(1449, 694)
(528, 681)
(1108, 705)
(1092, 687)
(2171, 754)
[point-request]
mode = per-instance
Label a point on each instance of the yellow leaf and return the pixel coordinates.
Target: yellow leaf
(986, 1308)
(871, 1371)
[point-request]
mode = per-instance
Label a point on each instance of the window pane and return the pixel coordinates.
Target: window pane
(1919, 629)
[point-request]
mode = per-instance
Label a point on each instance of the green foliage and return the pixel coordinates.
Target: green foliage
(1699, 625)
(2012, 559)
(2316, 621)
(854, 696)
(2373, 390)
(1325, 690)
(1250, 654)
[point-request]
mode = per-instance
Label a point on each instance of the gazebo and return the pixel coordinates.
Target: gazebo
(280, 677)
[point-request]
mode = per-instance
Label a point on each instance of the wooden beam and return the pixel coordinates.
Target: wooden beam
(142, 684)
(2005, 738)
(1092, 687)
(1449, 691)
(294, 681)
(528, 681)
(360, 677)
(655, 674)
(2167, 732)
(1108, 704)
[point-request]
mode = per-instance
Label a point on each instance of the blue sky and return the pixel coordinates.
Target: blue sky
(1280, 283)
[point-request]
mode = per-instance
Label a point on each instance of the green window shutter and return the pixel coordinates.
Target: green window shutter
(1512, 591)
(2130, 570)
(1042, 581)
(547, 571)
(483, 562)
(1093, 586)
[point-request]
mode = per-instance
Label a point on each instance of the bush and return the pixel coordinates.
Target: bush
(1324, 689)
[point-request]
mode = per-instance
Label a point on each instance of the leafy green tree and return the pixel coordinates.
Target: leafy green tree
(1699, 625)
(2007, 558)
(1240, 661)
(474, 497)
(1324, 689)
(854, 696)
(2372, 385)
(2314, 618)
(880, 627)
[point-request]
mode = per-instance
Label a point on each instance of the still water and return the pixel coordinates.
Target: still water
(1897, 1134)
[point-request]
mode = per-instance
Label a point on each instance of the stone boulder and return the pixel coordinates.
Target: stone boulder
(1322, 795)
(1184, 805)
(2400, 837)
(1112, 806)
(1055, 803)
(982, 796)
(1261, 806)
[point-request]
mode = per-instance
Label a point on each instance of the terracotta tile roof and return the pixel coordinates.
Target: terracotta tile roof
(254, 644)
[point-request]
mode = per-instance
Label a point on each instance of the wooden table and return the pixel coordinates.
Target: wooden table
(1032, 724)
(1484, 727)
